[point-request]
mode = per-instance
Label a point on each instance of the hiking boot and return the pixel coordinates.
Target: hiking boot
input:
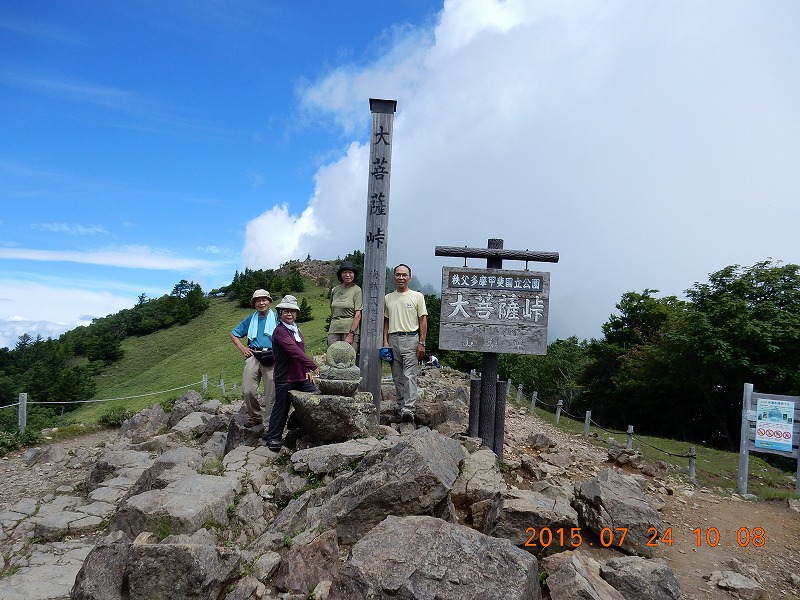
(273, 445)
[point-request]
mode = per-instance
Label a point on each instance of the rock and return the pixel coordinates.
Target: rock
(48, 571)
(738, 584)
(520, 516)
(180, 571)
(198, 426)
(145, 424)
(114, 463)
(573, 576)
(102, 576)
(331, 458)
(170, 466)
(639, 578)
(184, 506)
(480, 479)
(190, 401)
(540, 441)
(305, 566)
(414, 478)
(337, 387)
(239, 434)
(335, 418)
(426, 558)
(612, 500)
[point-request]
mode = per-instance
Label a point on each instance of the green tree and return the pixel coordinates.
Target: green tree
(182, 288)
(678, 368)
(306, 314)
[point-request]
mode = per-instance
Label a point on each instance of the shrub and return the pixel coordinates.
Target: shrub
(116, 416)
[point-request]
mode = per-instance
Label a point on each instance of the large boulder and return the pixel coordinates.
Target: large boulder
(612, 502)
(425, 558)
(304, 566)
(145, 424)
(183, 506)
(639, 578)
(531, 520)
(414, 478)
(571, 575)
(331, 458)
(335, 418)
(114, 463)
(480, 479)
(189, 402)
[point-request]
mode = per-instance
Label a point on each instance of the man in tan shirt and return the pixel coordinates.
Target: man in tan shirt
(405, 326)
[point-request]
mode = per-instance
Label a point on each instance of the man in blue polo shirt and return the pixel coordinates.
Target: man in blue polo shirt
(258, 364)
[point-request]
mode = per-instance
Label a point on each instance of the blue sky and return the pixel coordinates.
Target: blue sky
(146, 142)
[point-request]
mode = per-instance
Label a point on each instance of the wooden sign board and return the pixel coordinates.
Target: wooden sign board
(494, 310)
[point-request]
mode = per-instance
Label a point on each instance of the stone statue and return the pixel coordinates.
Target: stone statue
(339, 376)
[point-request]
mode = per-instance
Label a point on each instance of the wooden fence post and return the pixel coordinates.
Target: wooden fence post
(629, 443)
(499, 422)
(692, 464)
(558, 410)
(533, 401)
(586, 421)
(205, 383)
(519, 393)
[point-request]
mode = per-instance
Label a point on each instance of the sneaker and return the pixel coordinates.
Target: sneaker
(273, 445)
(406, 415)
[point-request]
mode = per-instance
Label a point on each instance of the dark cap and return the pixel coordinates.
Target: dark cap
(346, 266)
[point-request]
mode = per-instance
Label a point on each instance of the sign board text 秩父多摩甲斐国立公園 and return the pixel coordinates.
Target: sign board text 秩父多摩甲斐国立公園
(494, 310)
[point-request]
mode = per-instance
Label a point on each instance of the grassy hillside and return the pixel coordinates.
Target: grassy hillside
(182, 354)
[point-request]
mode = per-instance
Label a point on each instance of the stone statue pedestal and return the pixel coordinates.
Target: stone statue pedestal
(330, 418)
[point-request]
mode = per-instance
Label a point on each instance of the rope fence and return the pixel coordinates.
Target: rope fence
(24, 402)
(558, 409)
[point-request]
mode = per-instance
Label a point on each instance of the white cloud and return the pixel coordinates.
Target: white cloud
(71, 229)
(648, 144)
(133, 257)
(276, 237)
(41, 309)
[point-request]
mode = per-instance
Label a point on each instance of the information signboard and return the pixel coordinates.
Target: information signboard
(494, 310)
(774, 424)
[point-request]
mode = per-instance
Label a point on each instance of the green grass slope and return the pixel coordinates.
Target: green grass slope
(170, 360)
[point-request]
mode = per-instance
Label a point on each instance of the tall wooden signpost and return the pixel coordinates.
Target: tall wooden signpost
(493, 311)
(376, 239)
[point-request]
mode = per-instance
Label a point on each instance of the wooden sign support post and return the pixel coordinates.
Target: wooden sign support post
(505, 327)
(376, 240)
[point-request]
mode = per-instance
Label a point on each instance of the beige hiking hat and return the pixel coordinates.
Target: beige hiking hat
(259, 293)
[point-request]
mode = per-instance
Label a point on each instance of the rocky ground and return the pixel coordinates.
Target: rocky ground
(771, 558)
(775, 563)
